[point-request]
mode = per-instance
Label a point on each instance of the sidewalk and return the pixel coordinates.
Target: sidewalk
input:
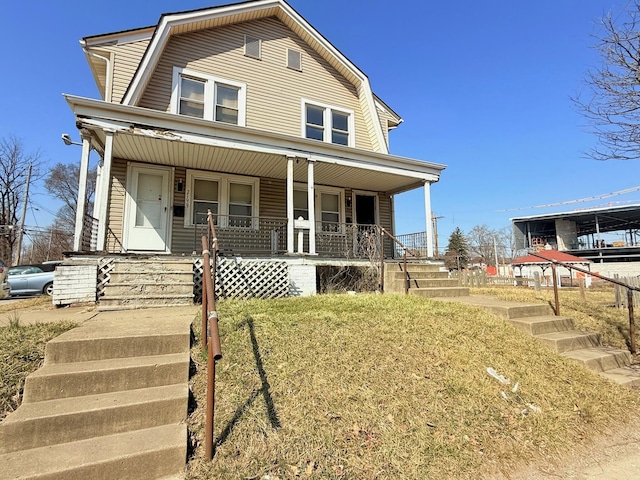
(81, 314)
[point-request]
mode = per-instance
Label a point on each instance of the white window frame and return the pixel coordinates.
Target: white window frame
(327, 121)
(209, 93)
(319, 190)
(223, 196)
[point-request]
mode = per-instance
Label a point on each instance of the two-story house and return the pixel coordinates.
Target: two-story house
(246, 110)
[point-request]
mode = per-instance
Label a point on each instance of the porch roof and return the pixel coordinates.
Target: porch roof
(164, 138)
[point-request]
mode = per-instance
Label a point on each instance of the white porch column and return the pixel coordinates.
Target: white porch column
(290, 219)
(96, 194)
(312, 208)
(104, 191)
(429, 219)
(82, 194)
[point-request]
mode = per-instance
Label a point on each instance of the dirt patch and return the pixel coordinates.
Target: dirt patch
(615, 455)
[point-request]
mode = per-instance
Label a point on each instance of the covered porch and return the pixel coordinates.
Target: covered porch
(271, 194)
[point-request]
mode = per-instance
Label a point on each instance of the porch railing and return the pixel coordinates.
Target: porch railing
(238, 234)
(415, 243)
(89, 239)
(630, 290)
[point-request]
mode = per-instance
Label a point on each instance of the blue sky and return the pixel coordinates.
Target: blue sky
(483, 87)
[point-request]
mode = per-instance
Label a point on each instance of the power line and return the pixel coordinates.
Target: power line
(580, 200)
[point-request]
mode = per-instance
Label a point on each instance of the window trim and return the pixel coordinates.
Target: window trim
(327, 121)
(209, 93)
(223, 195)
(318, 191)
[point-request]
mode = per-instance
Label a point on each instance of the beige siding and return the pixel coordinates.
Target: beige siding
(274, 92)
(126, 60)
(116, 205)
(384, 124)
(183, 239)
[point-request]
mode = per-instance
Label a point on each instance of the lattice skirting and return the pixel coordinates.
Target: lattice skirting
(105, 266)
(245, 279)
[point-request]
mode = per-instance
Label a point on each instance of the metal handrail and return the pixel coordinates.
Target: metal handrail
(630, 290)
(210, 334)
(384, 232)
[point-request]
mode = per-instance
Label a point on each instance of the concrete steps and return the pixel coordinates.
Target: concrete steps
(559, 334)
(109, 403)
(149, 282)
(425, 280)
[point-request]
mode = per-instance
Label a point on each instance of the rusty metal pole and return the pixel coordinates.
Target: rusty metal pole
(381, 261)
(632, 323)
(406, 274)
(211, 399)
(555, 288)
(204, 313)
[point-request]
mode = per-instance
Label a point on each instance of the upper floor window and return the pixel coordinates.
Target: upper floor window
(211, 98)
(327, 123)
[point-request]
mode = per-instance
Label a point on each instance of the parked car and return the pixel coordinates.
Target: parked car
(31, 279)
(4, 285)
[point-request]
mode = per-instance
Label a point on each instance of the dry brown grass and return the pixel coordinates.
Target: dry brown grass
(22, 352)
(385, 386)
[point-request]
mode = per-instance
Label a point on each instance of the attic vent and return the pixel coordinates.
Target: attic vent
(294, 59)
(252, 47)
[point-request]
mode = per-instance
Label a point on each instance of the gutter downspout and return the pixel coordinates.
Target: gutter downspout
(107, 86)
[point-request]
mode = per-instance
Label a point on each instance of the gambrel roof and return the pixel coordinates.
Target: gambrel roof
(171, 24)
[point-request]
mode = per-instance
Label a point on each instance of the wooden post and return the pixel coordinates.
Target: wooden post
(581, 284)
(555, 288)
(536, 281)
(632, 324)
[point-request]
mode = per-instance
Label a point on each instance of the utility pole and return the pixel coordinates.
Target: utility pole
(22, 218)
(434, 220)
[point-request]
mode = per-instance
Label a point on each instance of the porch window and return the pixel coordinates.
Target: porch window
(240, 208)
(330, 212)
(205, 197)
(211, 98)
(300, 204)
(233, 199)
(328, 124)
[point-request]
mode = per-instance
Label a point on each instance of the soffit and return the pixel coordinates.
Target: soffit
(140, 148)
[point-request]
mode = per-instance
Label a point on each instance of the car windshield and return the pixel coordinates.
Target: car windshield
(23, 270)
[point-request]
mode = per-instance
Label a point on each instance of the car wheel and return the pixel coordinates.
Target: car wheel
(48, 289)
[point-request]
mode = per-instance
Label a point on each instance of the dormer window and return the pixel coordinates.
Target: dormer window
(327, 123)
(211, 98)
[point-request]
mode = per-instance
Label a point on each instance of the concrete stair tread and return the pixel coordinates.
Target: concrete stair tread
(102, 376)
(568, 334)
(76, 418)
(147, 322)
(88, 403)
(628, 376)
(108, 364)
(112, 456)
(543, 324)
(600, 359)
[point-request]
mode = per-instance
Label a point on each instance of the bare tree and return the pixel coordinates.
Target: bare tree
(484, 242)
(14, 165)
(612, 104)
(46, 244)
(62, 183)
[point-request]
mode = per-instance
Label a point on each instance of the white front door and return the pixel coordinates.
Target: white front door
(147, 209)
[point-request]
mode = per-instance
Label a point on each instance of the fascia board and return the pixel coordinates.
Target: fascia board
(125, 117)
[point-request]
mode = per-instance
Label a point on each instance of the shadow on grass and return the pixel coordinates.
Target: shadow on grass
(264, 389)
